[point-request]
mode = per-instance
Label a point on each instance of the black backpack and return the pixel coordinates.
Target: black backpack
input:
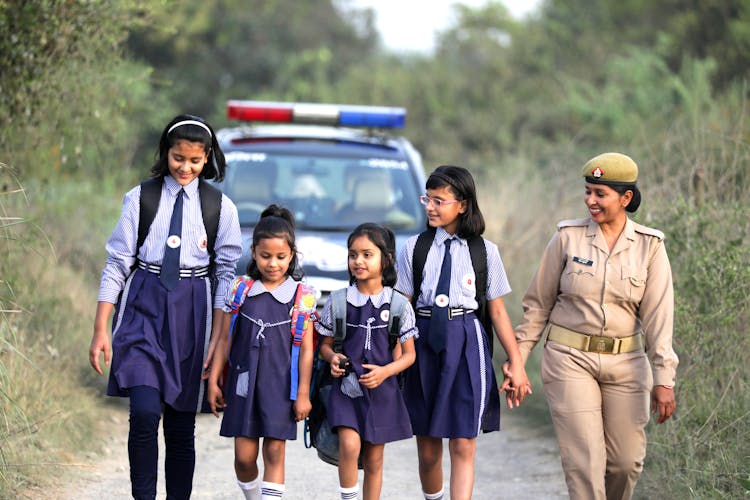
(478, 253)
(318, 433)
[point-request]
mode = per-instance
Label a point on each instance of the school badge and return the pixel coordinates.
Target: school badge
(174, 241)
(442, 300)
(203, 243)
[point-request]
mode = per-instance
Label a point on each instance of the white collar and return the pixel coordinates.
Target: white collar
(358, 299)
(283, 293)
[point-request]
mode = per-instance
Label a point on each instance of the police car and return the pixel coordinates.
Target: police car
(333, 166)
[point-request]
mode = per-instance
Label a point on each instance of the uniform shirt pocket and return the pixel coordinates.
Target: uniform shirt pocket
(633, 281)
(578, 277)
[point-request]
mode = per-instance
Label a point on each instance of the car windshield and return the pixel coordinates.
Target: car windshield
(325, 192)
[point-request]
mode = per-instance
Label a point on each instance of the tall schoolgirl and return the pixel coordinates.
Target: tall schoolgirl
(366, 407)
(167, 310)
(256, 394)
(451, 391)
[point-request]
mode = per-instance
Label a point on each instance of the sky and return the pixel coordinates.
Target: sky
(400, 32)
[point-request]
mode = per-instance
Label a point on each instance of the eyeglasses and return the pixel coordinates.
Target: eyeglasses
(425, 200)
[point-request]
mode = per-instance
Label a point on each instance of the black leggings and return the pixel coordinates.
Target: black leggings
(143, 451)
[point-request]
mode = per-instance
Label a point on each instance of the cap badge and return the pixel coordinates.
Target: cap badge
(597, 172)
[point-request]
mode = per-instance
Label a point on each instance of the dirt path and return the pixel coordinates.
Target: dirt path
(517, 463)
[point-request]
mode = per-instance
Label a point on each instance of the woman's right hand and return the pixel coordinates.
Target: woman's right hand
(515, 384)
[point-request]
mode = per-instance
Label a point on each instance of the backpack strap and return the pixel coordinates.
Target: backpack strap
(240, 288)
(302, 313)
(211, 209)
(338, 314)
(478, 253)
(421, 249)
(149, 204)
(398, 303)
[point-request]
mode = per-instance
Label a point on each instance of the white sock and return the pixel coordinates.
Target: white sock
(434, 496)
(271, 491)
(349, 493)
(250, 489)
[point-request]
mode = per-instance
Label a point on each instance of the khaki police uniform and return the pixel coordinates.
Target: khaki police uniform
(606, 314)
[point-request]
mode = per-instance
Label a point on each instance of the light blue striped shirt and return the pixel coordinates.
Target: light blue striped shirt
(463, 282)
(122, 251)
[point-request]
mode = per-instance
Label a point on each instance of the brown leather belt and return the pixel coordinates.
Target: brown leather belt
(594, 343)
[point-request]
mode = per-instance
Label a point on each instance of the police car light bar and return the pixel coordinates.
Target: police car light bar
(320, 114)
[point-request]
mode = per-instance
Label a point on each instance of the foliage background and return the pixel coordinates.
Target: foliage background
(85, 87)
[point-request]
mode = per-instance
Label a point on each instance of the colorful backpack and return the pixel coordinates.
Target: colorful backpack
(302, 313)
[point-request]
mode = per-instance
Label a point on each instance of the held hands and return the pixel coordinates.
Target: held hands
(515, 384)
(663, 402)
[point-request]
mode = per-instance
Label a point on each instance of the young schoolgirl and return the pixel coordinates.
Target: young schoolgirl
(366, 407)
(256, 396)
(163, 320)
(451, 391)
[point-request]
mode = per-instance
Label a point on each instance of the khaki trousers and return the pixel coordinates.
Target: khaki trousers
(600, 407)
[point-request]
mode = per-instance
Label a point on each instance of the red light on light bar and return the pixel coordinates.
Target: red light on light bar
(239, 110)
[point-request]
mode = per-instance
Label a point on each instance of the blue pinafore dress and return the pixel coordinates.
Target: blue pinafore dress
(379, 415)
(257, 388)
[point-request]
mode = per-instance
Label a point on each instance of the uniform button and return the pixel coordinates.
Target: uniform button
(604, 306)
(605, 329)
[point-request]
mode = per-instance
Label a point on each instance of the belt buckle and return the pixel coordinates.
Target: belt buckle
(450, 313)
(601, 344)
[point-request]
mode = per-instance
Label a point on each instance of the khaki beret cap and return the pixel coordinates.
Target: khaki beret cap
(611, 168)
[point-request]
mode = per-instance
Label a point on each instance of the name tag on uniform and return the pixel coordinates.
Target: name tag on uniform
(585, 262)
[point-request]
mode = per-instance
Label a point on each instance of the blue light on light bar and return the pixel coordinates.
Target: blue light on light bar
(372, 116)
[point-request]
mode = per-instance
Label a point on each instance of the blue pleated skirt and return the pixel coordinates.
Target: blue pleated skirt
(160, 339)
(453, 394)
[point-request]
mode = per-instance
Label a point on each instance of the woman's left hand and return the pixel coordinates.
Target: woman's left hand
(663, 402)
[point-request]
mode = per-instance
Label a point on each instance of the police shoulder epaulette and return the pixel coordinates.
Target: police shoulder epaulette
(573, 223)
(647, 230)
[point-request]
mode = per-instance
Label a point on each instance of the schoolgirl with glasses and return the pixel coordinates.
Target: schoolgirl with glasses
(451, 391)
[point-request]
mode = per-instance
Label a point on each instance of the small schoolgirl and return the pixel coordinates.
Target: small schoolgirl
(256, 396)
(366, 407)
(451, 391)
(167, 314)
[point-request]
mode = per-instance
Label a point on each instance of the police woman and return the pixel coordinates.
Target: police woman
(603, 296)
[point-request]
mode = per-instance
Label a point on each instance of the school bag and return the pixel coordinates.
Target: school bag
(302, 313)
(210, 210)
(478, 253)
(317, 432)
